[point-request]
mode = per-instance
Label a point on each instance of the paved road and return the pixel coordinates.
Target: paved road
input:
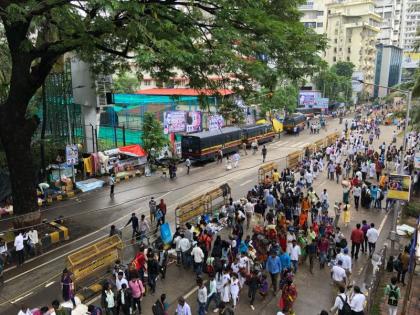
(90, 216)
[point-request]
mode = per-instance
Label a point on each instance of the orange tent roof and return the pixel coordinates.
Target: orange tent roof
(183, 92)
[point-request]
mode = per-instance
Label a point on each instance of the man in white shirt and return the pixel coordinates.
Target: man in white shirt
(249, 212)
(198, 257)
(338, 274)
(183, 308)
(357, 302)
(19, 248)
(308, 178)
(339, 301)
(295, 252)
(120, 279)
(24, 310)
(346, 260)
(184, 246)
(372, 236)
(33, 241)
(324, 197)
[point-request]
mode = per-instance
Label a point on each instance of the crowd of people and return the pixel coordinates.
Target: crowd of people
(280, 226)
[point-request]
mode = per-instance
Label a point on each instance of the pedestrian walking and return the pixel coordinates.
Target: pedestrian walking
(183, 308)
(253, 284)
(134, 221)
(372, 236)
(244, 148)
(67, 287)
(357, 191)
(19, 249)
(188, 165)
(295, 253)
(212, 295)
(160, 307)
(264, 153)
(108, 299)
(357, 238)
(111, 182)
(137, 292)
(124, 300)
(198, 258)
(341, 304)
(273, 266)
(357, 302)
(392, 295)
(201, 297)
(152, 209)
(403, 262)
(338, 275)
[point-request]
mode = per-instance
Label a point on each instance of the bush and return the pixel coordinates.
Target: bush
(412, 209)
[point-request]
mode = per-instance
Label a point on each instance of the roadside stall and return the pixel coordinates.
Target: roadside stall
(126, 161)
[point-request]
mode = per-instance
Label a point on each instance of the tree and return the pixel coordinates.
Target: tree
(153, 136)
(283, 97)
(334, 86)
(343, 69)
(200, 38)
(125, 83)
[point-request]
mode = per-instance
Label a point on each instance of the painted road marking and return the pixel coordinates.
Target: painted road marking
(76, 249)
(246, 182)
(49, 284)
(21, 298)
(383, 223)
(297, 144)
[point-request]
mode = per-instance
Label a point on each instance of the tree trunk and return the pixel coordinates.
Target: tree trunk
(16, 135)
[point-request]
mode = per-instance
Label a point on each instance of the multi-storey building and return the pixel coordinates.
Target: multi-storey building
(352, 29)
(388, 68)
(314, 15)
(392, 14)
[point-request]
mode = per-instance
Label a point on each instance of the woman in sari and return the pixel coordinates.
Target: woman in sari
(67, 287)
(288, 297)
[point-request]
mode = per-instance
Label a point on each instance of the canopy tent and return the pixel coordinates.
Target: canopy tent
(133, 150)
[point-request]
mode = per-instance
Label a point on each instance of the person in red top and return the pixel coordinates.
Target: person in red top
(162, 207)
(357, 238)
(323, 246)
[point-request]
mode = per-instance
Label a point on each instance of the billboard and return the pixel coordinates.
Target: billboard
(193, 121)
(417, 160)
(308, 99)
(72, 154)
(215, 122)
(410, 60)
(174, 121)
(399, 187)
(322, 103)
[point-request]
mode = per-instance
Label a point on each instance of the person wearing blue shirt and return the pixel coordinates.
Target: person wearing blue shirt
(285, 260)
(373, 194)
(273, 267)
(270, 201)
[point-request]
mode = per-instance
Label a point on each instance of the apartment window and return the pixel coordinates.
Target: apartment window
(320, 13)
(335, 40)
(334, 59)
(335, 49)
(319, 24)
(340, 49)
(348, 58)
(349, 39)
(349, 50)
(147, 82)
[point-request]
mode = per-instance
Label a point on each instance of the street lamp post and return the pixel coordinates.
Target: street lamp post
(397, 207)
(73, 173)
